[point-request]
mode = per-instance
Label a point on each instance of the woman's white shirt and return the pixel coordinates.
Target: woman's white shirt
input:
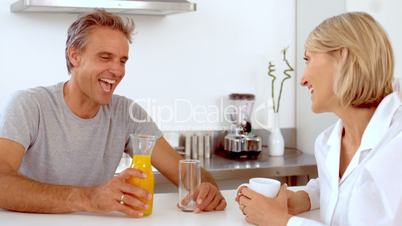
(370, 190)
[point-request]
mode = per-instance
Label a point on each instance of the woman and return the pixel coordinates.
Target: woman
(348, 71)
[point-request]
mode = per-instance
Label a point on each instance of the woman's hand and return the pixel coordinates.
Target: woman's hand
(264, 211)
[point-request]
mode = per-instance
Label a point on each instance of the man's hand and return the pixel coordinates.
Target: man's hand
(107, 197)
(209, 198)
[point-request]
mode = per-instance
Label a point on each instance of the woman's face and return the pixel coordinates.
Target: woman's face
(318, 77)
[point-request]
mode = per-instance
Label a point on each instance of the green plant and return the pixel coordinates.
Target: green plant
(271, 69)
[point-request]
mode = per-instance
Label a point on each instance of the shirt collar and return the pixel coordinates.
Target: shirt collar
(377, 127)
(380, 121)
(335, 136)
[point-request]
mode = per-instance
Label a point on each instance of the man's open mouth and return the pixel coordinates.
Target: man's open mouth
(106, 84)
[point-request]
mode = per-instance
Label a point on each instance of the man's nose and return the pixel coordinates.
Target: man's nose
(117, 68)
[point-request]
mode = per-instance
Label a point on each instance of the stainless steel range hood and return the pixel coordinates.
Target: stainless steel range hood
(142, 7)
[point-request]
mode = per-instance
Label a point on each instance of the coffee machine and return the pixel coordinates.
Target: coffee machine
(240, 140)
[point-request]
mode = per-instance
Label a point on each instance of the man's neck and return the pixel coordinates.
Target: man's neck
(79, 103)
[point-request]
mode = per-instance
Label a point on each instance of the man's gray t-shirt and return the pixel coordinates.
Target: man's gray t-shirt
(62, 148)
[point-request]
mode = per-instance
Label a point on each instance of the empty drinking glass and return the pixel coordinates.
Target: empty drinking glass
(189, 180)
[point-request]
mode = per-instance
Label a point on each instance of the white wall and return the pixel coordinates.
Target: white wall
(203, 56)
(389, 14)
(309, 14)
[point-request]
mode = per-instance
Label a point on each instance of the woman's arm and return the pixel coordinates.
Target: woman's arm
(298, 202)
(306, 199)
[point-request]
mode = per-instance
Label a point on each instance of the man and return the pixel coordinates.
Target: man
(60, 145)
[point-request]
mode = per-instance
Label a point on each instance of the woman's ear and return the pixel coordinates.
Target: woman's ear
(344, 54)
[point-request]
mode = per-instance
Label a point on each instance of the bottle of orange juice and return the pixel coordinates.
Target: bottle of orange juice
(142, 146)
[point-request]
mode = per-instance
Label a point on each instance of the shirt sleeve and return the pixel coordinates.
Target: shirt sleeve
(20, 119)
(140, 122)
(313, 191)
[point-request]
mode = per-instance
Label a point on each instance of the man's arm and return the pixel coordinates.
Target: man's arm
(22, 194)
(19, 193)
(166, 160)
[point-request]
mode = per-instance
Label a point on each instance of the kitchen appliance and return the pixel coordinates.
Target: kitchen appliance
(240, 140)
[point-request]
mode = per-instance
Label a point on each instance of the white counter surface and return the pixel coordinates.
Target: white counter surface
(165, 212)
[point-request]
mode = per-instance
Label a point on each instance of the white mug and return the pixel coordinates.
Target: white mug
(265, 186)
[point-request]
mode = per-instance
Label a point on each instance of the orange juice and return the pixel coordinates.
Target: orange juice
(143, 163)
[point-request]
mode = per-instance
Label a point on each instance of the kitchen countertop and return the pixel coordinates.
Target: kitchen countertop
(292, 159)
(165, 213)
(293, 163)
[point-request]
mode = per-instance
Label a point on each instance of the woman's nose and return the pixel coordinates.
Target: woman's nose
(303, 81)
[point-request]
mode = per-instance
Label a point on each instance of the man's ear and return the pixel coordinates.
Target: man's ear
(74, 55)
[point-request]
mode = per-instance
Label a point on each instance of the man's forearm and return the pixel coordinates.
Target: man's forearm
(207, 177)
(22, 194)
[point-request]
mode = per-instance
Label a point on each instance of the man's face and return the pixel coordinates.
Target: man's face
(100, 66)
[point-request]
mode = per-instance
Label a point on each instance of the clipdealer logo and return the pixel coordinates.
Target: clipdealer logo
(184, 111)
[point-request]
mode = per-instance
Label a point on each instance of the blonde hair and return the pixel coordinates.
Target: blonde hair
(365, 77)
(79, 30)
